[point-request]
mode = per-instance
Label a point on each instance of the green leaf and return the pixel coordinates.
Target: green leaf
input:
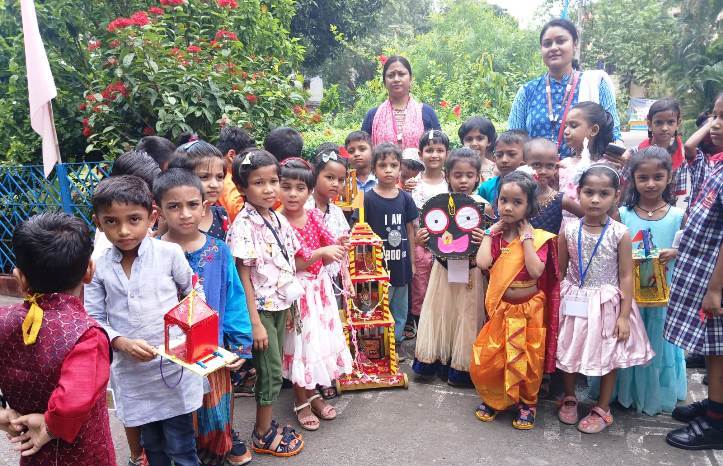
(128, 59)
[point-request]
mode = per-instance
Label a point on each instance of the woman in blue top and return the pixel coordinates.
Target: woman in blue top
(400, 119)
(540, 106)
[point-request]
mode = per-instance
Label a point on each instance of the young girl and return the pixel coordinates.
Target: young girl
(315, 351)
(658, 386)
(600, 326)
(433, 146)
(701, 164)
(264, 245)
(479, 134)
(209, 164)
(542, 158)
(452, 313)
(518, 341)
(663, 122)
(179, 196)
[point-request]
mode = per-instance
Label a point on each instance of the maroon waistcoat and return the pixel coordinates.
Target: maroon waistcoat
(31, 373)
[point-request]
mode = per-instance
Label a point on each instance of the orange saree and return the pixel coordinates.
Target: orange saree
(509, 355)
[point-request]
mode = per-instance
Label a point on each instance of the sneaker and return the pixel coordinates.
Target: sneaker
(239, 454)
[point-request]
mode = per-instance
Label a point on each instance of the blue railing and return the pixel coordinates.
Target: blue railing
(24, 191)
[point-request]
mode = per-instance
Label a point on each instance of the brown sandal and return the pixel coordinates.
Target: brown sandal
(310, 421)
(327, 413)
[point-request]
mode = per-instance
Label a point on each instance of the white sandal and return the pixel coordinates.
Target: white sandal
(310, 422)
(327, 413)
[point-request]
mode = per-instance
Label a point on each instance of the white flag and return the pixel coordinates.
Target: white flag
(41, 86)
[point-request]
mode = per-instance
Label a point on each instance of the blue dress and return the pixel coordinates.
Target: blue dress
(658, 386)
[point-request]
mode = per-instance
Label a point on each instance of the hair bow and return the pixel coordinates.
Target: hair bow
(329, 156)
(247, 159)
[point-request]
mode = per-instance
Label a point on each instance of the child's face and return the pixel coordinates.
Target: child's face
(125, 225)
(512, 203)
(211, 172)
(577, 128)
(544, 162)
(387, 170)
(182, 207)
(508, 157)
(293, 194)
(263, 188)
(650, 180)
(663, 126)
(331, 180)
(463, 177)
(433, 156)
(597, 196)
(408, 171)
(716, 129)
(360, 154)
(476, 141)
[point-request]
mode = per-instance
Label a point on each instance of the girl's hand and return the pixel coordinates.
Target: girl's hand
(477, 235)
(622, 328)
(711, 303)
(667, 255)
(498, 227)
(524, 228)
(333, 253)
(410, 184)
(422, 237)
(261, 338)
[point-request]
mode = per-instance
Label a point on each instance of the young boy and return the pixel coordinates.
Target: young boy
(179, 195)
(284, 143)
(359, 146)
(56, 359)
(509, 152)
(232, 141)
(411, 167)
(136, 282)
(160, 149)
(391, 212)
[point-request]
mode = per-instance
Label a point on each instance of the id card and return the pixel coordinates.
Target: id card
(575, 306)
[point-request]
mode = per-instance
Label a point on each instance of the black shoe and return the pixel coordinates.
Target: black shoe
(689, 412)
(698, 435)
(695, 361)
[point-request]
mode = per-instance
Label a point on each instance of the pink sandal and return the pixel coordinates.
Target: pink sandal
(568, 410)
(595, 422)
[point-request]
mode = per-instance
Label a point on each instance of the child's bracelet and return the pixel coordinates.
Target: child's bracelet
(526, 236)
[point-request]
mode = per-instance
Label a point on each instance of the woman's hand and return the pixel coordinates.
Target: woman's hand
(667, 255)
(622, 328)
(343, 240)
(261, 338)
(333, 253)
(422, 237)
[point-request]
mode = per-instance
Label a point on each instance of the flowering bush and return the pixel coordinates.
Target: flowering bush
(191, 65)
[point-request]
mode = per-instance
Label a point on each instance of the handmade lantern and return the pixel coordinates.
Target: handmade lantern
(368, 323)
(450, 218)
(349, 197)
(649, 277)
(198, 325)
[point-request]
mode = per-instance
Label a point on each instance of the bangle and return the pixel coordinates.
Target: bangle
(490, 233)
(527, 236)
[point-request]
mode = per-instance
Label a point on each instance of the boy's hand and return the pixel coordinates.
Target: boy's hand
(8, 415)
(138, 349)
(34, 438)
(261, 338)
(236, 365)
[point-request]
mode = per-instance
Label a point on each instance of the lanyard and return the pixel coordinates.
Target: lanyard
(583, 272)
(278, 240)
(569, 94)
(398, 136)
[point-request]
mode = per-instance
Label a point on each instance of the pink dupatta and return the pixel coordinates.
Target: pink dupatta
(384, 126)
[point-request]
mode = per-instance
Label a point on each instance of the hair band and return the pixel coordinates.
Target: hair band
(306, 164)
(614, 172)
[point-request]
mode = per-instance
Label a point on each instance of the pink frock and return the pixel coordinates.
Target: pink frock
(319, 353)
(588, 345)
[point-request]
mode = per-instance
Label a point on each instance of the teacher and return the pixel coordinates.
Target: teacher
(400, 119)
(541, 105)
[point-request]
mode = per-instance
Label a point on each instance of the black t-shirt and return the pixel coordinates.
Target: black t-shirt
(388, 218)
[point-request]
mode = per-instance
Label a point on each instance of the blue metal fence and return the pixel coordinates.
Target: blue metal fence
(24, 191)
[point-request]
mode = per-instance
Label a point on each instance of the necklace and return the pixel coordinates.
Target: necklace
(546, 198)
(651, 212)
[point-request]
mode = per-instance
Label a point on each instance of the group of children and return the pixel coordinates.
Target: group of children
(257, 234)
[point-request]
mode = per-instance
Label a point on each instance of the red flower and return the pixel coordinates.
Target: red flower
(148, 131)
(86, 122)
(172, 2)
(87, 132)
(140, 18)
(90, 98)
(224, 34)
(82, 107)
(316, 117)
(298, 109)
(154, 10)
(93, 45)
(98, 108)
(244, 75)
(115, 43)
(457, 110)
(383, 59)
(443, 104)
(193, 49)
(227, 3)
(119, 23)
(252, 99)
(213, 43)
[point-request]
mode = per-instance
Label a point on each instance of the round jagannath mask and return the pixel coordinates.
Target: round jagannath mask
(450, 218)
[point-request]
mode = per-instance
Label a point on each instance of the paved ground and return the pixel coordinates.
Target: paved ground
(433, 423)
